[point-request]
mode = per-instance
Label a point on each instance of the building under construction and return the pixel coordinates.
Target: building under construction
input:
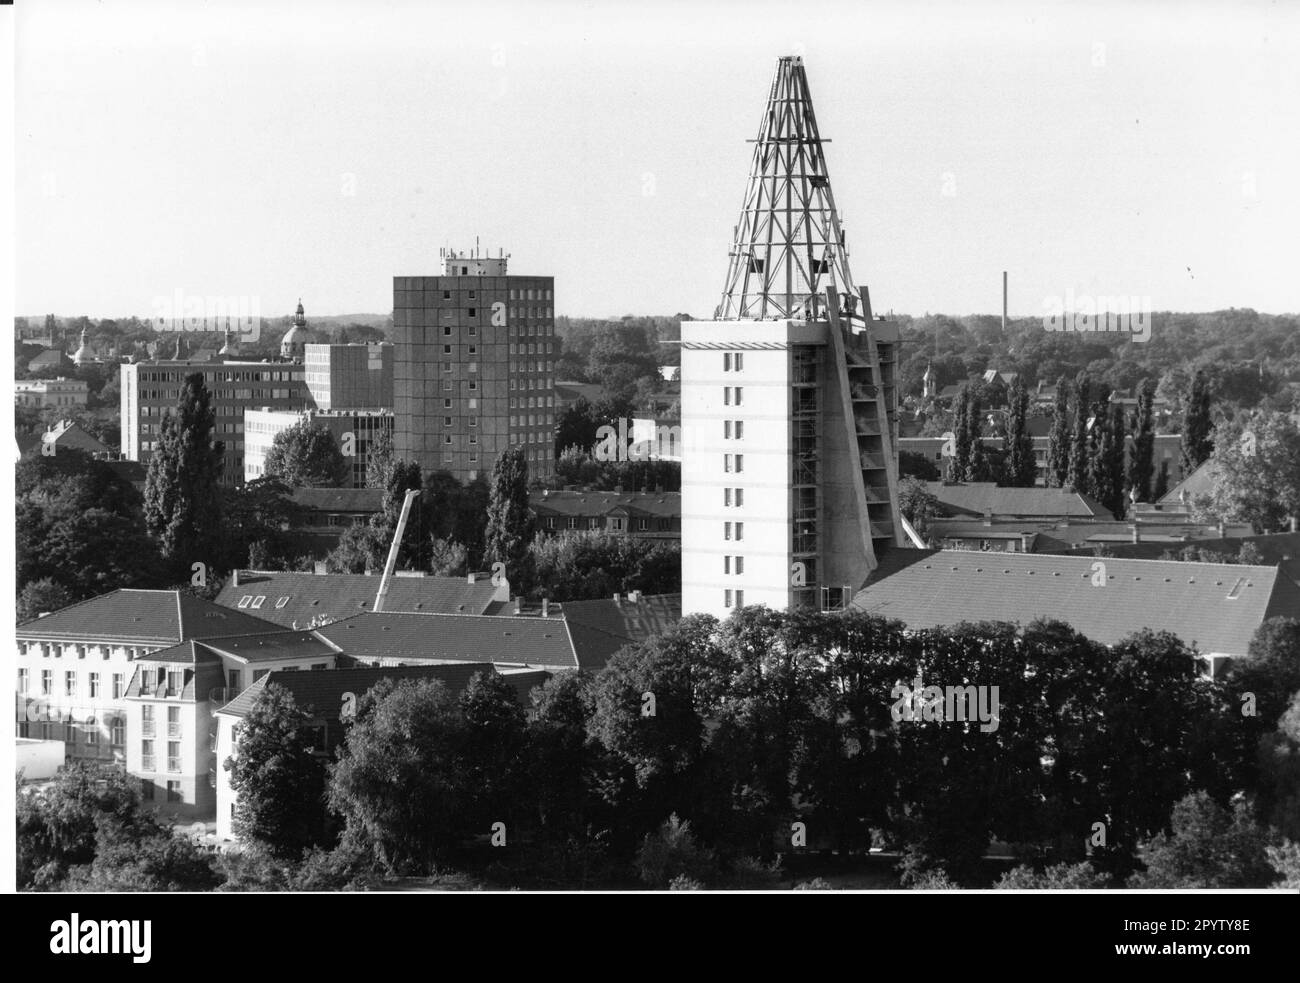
(790, 475)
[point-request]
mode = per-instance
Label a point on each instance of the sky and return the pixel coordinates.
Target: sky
(273, 151)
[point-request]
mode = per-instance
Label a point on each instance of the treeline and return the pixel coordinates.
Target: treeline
(1246, 356)
(774, 733)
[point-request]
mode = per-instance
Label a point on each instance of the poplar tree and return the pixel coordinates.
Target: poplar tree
(1058, 446)
(1020, 471)
(182, 507)
(1077, 474)
(509, 527)
(1141, 465)
(1198, 441)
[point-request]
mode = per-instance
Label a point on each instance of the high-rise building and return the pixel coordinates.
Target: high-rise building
(789, 477)
(350, 377)
(473, 367)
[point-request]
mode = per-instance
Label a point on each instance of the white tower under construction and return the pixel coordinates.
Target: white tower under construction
(789, 476)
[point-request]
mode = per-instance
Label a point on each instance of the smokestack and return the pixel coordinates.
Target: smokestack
(546, 606)
(1004, 301)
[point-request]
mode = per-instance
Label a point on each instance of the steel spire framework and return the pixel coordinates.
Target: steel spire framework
(788, 245)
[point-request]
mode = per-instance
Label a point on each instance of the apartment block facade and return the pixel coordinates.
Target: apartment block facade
(473, 373)
(150, 391)
(350, 377)
(355, 430)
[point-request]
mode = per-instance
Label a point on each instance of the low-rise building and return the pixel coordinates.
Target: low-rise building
(355, 430)
(642, 515)
(60, 393)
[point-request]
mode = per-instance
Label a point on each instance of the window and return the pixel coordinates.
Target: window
(446, 349)
(146, 755)
(726, 497)
(258, 601)
(740, 530)
(245, 600)
(740, 431)
(92, 736)
(173, 683)
(117, 732)
(233, 680)
(119, 684)
(726, 395)
(726, 598)
(740, 598)
(173, 756)
(726, 367)
(446, 330)
(740, 565)
(22, 680)
(70, 684)
(726, 564)
(94, 685)
(726, 530)
(146, 791)
(146, 721)
(282, 601)
(726, 429)
(446, 404)
(473, 312)
(740, 364)
(740, 497)
(740, 462)
(173, 791)
(737, 395)
(726, 463)
(174, 721)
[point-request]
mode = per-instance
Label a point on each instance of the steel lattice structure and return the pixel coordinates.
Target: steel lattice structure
(788, 245)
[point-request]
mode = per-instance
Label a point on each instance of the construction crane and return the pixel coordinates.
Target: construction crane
(411, 496)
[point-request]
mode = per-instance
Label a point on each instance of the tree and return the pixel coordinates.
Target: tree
(361, 548)
(182, 507)
(1021, 468)
(493, 752)
(1207, 847)
(1161, 488)
(447, 558)
(1141, 465)
(307, 455)
(1198, 442)
(581, 565)
(509, 519)
(399, 780)
(965, 435)
(1257, 472)
(40, 597)
(1106, 467)
(576, 426)
(379, 459)
(278, 776)
(918, 505)
(257, 516)
(1077, 473)
(401, 477)
(1058, 446)
(1058, 877)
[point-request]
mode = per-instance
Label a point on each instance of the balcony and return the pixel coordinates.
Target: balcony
(174, 765)
(147, 763)
(147, 728)
(173, 730)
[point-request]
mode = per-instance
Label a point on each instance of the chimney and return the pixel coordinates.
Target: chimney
(321, 567)
(234, 577)
(634, 596)
(1137, 533)
(469, 577)
(988, 517)
(1025, 538)
(1223, 529)
(546, 607)
(519, 604)
(618, 598)
(1295, 521)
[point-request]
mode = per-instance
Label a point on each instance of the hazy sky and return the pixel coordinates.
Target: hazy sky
(319, 149)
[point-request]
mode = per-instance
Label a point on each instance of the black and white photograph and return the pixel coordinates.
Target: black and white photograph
(653, 448)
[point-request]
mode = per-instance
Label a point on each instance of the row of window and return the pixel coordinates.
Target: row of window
(255, 601)
(249, 376)
(733, 565)
(733, 497)
(54, 730)
(70, 680)
(733, 430)
(598, 522)
(148, 791)
(733, 598)
(732, 395)
(733, 530)
(733, 361)
(149, 763)
(733, 463)
(148, 725)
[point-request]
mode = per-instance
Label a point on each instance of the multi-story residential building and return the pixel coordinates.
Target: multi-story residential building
(150, 390)
(74, 665)
(355, 430)
(473, 373)
(350, 377)
(43, 393)
(788, 403)
(171, 699)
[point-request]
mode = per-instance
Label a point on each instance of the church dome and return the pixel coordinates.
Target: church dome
(294, 343)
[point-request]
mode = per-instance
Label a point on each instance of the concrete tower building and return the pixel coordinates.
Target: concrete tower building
(473, 367)
(789, 477)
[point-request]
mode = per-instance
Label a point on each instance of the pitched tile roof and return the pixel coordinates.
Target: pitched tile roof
(1281, 549)
(1199, 482)
(597, 503)
(650, 614)
(289, 598)
(322, 689)
(1056, 537)
(457, 638)
(975, 498)
(142, 617)
(1215, 606)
